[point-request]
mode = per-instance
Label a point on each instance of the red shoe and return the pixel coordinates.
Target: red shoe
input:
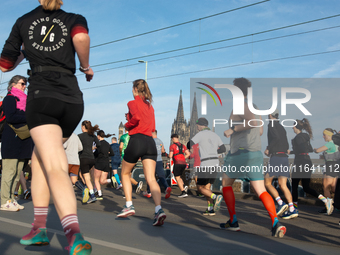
(167, 192)
(146, 194)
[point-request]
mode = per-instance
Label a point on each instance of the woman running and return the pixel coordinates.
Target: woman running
(54, 108)
(303, 164)
(331, 153)
(87, 160)
(102, 164)
(141, 124)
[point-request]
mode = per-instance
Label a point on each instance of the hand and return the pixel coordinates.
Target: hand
(266, 152)
(89, 74)
(288, 151)
(228, 132)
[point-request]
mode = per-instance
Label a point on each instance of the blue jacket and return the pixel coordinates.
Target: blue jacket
(12, 147)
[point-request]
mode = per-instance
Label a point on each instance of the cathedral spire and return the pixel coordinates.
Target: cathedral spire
(180, 111)
(194, 118)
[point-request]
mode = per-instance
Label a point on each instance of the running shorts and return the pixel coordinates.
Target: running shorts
(205, 181)
(140, 146)
(73, 169)
(278, 166)
(46, 110)
(179, 169)
(102, 166)
(244, 164)
(332, 168)
(114, 165)
(86, 164)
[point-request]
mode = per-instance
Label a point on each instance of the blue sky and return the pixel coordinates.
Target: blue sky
(107, 95)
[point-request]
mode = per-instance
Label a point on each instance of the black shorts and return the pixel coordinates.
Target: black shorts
(179, 169)
(332, 168)
(86, 164)
(102, 166)
(43, 111)
(140, 146)
(205, 181)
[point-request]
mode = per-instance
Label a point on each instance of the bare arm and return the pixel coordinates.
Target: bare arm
(187, 154)
(81, 42)
(321, 149)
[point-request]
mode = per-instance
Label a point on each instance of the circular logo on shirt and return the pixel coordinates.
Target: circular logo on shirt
(47, 34)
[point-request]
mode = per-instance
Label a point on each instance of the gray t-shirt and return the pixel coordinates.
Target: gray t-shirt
(72, 146)
(159, 145)
(208, 142)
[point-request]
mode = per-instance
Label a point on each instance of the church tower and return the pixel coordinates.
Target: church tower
(120, 130)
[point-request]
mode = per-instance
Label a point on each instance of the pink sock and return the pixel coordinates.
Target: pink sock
(40, 216)
(71, 226)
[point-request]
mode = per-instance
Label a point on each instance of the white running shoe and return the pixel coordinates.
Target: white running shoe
(329, 206)
(139, 187)
(186, 189)
(9, 206)
(20, 207)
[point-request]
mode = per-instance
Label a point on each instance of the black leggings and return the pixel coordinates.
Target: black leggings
(305, 185)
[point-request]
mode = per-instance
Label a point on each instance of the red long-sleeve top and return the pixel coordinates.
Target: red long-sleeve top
(141, 117)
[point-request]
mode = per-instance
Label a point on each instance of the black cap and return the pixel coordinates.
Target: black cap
(202, 122)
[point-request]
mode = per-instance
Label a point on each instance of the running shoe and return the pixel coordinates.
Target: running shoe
(159, 218)
(114, 183)
(329, 206)
(183, 194)
(35, 237)
(209, 213)
(186, 189)
(146, 194)
(217, 203)
(282, 209)
(323, 211)
(27, 194)
(127, 211)
(230, 226)
(20, 207)
(119, 186)
(278, 230)
(167, 192)
(9, 206)
(92, 199)
(80, 246)
(290, 215)
(99, 197)
(16, 196)
(139, 187)
(85, 195)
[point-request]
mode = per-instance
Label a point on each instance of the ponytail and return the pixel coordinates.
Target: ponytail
(90, 130)
(143, 90)
(101, 133)
(304, 124)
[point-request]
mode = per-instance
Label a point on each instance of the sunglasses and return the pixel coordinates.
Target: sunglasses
(23, 83)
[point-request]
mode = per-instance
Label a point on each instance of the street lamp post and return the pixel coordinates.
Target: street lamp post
(146, 68)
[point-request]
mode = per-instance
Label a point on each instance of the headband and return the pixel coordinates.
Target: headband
(326, 132)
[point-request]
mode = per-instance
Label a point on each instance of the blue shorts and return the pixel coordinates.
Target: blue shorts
(115, 165)
(244, 164)
(278, 166)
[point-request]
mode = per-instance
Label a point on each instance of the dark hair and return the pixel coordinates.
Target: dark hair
(243, 84)
(304, 124)
(174, 136)
(143, 90)
(101, 133)
(14, 80)
(90, 130)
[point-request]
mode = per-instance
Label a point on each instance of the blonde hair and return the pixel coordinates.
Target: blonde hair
(52, 5)
(143, 90)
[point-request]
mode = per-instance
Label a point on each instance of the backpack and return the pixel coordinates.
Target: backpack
(180, 149)
(336, 139)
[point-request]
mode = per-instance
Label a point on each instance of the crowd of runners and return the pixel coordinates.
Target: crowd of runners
(47, 116)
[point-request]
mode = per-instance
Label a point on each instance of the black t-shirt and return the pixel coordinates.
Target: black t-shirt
(277, 139)
(47, 38)
(104, 151)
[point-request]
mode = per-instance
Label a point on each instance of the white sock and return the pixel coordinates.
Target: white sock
(100, 193)
(91, 192)
(157, 208)
(128, 203)
(108, 180)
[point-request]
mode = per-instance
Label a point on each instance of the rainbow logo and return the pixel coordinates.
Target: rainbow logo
(209, 93)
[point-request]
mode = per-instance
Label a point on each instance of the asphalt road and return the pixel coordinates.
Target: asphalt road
(186, 230)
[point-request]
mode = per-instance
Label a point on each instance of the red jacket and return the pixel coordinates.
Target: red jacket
(141, 117)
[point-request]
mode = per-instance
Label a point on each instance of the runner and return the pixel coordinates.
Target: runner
(331, 156)
(54, 109)
(179, 153)
(302, 163)
(102, 164)
(87, 160)
(141, 124)
(245, 150)
(115, 163)
(278, 166)
(72, 147)
(159, 168)
(210, 145)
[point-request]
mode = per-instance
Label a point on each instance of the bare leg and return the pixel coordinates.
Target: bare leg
(97, 173)
(180, 182)
(271, 189)
(285, 190)
(126, 174)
